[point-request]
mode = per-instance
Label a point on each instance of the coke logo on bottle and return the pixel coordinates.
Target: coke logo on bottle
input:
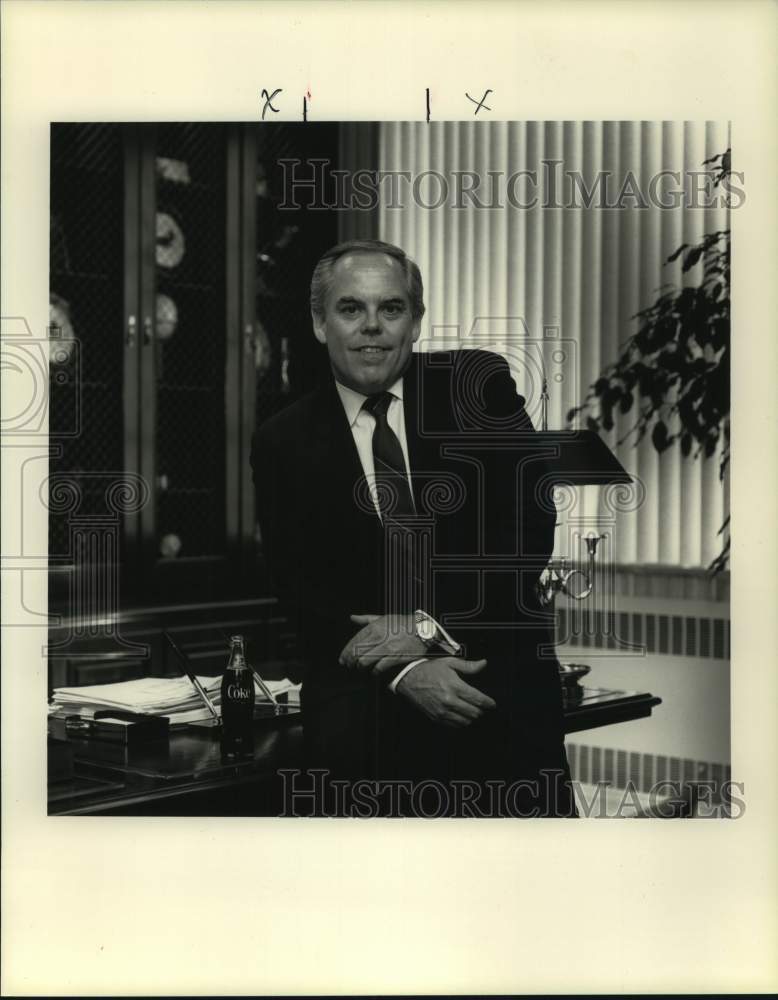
(238, 693)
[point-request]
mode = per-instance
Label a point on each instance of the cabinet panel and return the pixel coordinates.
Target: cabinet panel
(141, 246)
(188, 330)
(86, 287)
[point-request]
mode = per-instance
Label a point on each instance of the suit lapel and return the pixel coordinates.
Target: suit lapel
(336, 462)
(423, 442)
(411, 417)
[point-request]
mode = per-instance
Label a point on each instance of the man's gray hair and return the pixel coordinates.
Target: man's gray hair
(322, 273)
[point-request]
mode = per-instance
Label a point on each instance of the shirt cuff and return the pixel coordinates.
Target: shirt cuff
(405, 670)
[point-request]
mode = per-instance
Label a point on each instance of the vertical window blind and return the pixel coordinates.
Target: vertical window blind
(575, 275)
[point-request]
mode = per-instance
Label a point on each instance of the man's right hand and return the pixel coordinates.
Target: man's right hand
(436, 689)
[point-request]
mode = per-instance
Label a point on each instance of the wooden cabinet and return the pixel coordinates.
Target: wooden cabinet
(160, 312)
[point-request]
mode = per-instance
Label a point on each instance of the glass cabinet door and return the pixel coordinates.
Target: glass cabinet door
(183, 333)
(179, 321)
(86, 326)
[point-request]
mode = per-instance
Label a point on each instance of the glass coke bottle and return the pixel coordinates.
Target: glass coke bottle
(237, 703)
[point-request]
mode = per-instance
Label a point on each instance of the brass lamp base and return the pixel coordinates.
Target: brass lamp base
(570, 675)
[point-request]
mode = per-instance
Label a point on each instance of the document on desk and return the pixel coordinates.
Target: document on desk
(174, 697)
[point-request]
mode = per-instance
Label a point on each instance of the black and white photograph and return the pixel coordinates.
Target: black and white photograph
(388, 498)
(391, 469)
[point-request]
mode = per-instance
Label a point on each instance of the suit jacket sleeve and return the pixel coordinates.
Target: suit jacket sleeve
(517, 517)
(526, 506)
(313, 610)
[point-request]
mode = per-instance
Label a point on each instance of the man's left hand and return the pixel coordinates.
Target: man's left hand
(383, 642)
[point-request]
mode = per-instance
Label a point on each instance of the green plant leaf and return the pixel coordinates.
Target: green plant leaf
(677, 253)
(659, 436)
(676, 362)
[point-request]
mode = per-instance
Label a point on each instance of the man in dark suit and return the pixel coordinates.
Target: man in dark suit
(405, 522)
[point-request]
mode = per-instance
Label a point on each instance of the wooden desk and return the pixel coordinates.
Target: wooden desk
(601, 707)
(186, 776)
(183, 777)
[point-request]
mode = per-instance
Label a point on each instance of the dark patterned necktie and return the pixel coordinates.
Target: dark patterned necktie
(391, 479)
(401, 583)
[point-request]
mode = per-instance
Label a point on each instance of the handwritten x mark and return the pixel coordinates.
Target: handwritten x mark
(269, 97)
(479, 103)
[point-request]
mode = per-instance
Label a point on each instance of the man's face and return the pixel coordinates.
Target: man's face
(367, 324)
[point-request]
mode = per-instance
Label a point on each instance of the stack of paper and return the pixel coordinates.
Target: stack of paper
(174, 697)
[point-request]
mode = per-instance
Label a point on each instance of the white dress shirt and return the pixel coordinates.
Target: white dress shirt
(362, 425)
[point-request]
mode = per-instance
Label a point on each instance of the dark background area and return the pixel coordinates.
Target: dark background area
(179, 297)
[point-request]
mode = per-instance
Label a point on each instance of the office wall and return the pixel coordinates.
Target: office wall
(680, 654)
(693, 719)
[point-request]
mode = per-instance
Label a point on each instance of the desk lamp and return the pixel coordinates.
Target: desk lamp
(581, 458)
